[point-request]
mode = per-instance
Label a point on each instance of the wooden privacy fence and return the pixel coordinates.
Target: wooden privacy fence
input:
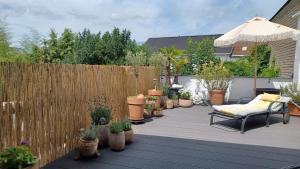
(47, 104)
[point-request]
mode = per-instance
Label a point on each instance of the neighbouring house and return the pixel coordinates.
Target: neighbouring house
(287, 52)
(180, 42)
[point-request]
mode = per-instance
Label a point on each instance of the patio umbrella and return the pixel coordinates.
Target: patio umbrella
(257, 30)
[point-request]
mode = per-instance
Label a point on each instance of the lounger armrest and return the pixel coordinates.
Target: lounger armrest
(281, 104)
(244, 98)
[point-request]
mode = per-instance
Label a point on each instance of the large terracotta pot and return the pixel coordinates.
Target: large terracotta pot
(164, 101)
(185, 103)
(175, 103)
(136, 107)
(128, 136)
(169, 104)
(102, 134)
(293, 110)
(158, 93)
(88, 148)
(217, 97)
(117, 141)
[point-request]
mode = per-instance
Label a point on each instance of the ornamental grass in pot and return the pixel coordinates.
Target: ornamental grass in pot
(88, 143)
(127, 131)
(216, 78)
(101, 117)
(164, 97)
(18, 157)
(293, 91)
(185, 98)
(116, 136)
(174, 98)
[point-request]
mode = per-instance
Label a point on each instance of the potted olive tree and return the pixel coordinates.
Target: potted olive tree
(136, 103)
(17, 157)
(216, 78)
(293, 91)
(88, 143)
(101, 117)
(185, 98)
(128, 131)
(116, 136)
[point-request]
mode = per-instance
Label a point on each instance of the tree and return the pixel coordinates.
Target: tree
(4, 40)
(53, 54)
(66, 46)
(28, 41)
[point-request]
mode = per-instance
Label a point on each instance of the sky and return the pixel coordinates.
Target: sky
(144, 18)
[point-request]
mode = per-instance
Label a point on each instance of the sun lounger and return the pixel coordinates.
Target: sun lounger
(264, 104)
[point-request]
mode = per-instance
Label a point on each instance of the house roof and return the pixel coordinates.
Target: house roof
(287, 2)
(180, 42)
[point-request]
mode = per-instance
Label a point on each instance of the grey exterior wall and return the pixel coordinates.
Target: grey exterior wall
(240, 86)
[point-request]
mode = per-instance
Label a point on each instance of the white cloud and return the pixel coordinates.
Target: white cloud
(144, 18)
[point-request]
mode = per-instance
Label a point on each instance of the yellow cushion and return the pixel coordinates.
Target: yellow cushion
(270, 97)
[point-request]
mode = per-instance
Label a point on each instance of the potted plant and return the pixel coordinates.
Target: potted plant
(116, 136)
(169, 104)
(185, 98)
(158, 112)
(128, 131)
(164, 97)
(88, 143)
(174, 98)
(156, 92)
(154, 100)
(17, 157)
(148, 110)
(101, 117)
(216, 78)
(136, 103)
(293, 91)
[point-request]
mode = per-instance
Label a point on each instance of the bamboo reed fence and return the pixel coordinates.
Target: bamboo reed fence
(47, 104)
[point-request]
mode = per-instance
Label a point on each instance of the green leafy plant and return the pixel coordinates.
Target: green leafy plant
(174, 97)
(152, 98)
(215, 76)
(126, 125)
(165, 89)
(292, 91)
(101, 115)
(149, 107)
(185, 95)
(271, 71)
(90, 134)
(116, 127)
(17, 158)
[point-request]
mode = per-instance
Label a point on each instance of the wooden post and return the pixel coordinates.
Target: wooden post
(255, 70)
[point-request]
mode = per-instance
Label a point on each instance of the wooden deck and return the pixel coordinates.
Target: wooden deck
(183, 139)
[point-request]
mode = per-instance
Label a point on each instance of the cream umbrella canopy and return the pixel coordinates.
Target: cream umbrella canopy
(257, 30)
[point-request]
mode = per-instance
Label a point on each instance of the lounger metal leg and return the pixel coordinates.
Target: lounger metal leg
(243, 125)
(268, 120)
(211, 119)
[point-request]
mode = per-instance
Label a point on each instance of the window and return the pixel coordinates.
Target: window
(244, 48)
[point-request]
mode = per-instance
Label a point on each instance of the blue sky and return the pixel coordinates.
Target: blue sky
(144, 18)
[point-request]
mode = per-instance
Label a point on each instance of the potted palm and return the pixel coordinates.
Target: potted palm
(136, 103)
(185, 98)
(127, 131)
(101, 117)
(216, 78)
(293, 91)
(17, 157)
(88, 143)
(116, 136)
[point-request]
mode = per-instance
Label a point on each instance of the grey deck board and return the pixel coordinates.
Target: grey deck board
(182, 139)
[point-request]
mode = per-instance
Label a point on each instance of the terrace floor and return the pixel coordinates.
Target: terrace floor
(182, 138)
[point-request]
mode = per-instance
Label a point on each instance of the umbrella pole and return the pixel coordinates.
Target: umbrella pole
(255, 70)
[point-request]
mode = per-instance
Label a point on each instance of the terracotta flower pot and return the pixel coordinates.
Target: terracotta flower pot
(136, 107)
(158, 93)
(293, 110)
(164, 101)
(217, 97)
(128, 136)
(117, 141)
(185, 103)
(102, 134)
(170, 104)
(88, 148)
(175, 103)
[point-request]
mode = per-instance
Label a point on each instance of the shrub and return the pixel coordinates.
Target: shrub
(174, 97)
(126, 125)
(152, 98)
(17, 158)
(292, 91)
(90, 134)
(116, 127)
(101, 115)
(271, 71)
(215, 76)
(240, 67)
(185, 95)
